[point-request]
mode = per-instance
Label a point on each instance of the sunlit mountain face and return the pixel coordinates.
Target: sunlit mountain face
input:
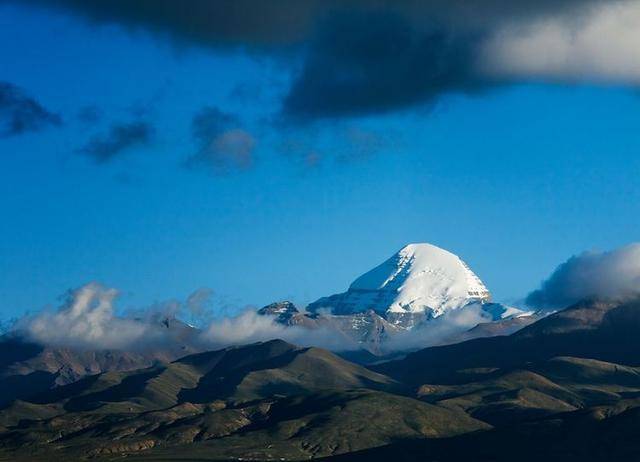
(337, 230)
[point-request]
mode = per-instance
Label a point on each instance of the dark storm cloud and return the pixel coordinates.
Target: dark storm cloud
(119, 138)
(376, 62)
(205, 22)
(285, 22)
(20, 113)
(613, 275)
(223, 144)
(362, 56)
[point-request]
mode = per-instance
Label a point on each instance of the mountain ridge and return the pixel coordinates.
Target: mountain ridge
(535, 389)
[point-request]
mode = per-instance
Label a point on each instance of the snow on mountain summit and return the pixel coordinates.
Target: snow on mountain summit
(423, 275)
(419, 279)
(423, 295)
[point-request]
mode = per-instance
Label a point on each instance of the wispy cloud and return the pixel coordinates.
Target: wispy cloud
(249, 327)
(441, 329)
(223, 144)
(89, 320)
(119, 138)
(21, 113)
(337, 142)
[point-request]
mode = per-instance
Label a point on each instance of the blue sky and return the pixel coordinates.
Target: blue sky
(514, 180)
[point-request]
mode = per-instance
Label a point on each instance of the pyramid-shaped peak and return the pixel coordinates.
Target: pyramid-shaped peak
(419, 278)
(426, 267)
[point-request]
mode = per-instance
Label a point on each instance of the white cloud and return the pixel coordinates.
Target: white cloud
(613, 275)
(601, 44)
(87, 320)
(247, 327)
(250, 327)
(440, 329)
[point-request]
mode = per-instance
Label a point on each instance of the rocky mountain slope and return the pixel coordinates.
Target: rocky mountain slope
(565, 388)
(306, 399)
(367, 331)
(27, 367)
(591, 329)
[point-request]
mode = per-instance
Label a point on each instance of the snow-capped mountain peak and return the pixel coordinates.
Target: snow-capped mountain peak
(418, 279)
(422, 290)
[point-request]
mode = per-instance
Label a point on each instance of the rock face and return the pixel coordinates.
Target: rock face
(366, 330)
(284, 311)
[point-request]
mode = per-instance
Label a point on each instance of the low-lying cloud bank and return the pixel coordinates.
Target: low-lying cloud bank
(613, 275)
(89, 319)
(250, 327)
(443, 329)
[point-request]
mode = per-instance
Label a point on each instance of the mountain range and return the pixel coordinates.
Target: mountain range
(566, 387)
(506, 385)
